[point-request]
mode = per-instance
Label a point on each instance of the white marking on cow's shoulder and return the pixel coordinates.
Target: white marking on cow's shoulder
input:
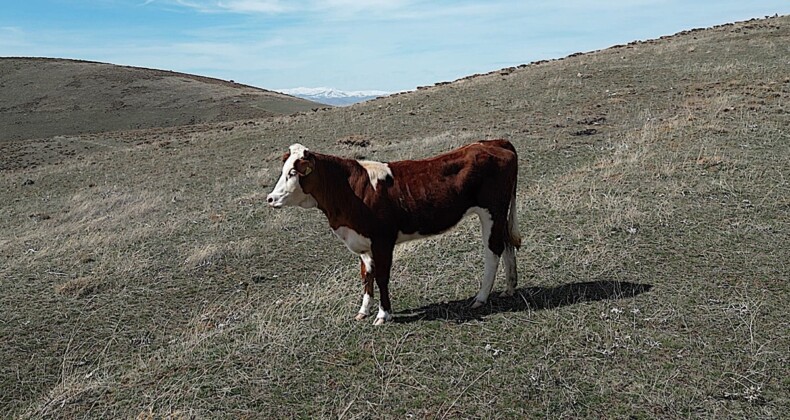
(377, 171)
(357, 243)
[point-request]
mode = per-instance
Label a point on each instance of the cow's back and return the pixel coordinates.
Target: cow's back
(429, 196)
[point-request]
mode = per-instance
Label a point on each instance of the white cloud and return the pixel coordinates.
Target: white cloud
(13, 41)
(273, 7)
(11, 31)
(254, 6)
(356, 6)
(353, 44)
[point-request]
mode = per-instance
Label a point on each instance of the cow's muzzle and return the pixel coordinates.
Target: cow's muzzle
(273, 201)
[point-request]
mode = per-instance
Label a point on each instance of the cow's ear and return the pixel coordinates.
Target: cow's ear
(304, 166)
(286, 156)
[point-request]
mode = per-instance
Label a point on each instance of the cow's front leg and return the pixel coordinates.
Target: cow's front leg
(367, 271)
(489, 273)
(493, 239)
(382, 260)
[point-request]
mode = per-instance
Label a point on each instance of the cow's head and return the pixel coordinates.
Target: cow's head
(298, 162)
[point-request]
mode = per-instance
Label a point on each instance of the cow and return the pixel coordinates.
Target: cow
(372, 206)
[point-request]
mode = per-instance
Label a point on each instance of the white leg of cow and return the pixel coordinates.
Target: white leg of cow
(367, 281)
(382, 317)
(511, 273)
(491, 265)
(364, 310)
(491, 260)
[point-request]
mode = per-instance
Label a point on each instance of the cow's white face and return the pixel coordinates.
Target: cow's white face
(288, 191)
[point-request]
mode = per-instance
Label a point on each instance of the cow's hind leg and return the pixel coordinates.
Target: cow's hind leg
(367, 271)
(512, 241)
(382, 257)
(490, 255)
(511, 272)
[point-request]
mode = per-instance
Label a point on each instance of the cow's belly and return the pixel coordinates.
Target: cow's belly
(357, 243)
(405, 237)
(439, 227)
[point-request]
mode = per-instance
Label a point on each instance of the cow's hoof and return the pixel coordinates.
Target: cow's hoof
(507, 293)
(379, 321)
(360, 316)
(476, 304)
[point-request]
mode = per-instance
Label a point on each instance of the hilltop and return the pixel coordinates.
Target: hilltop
(42, 97)
(142, 274)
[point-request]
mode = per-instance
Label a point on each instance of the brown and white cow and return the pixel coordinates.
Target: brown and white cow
(373, 206)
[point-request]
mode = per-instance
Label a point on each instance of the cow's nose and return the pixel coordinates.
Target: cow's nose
(270, 199)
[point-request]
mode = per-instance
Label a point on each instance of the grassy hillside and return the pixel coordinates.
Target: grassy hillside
(141, 273)
(42, 97)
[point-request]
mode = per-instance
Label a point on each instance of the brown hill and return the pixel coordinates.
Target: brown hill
(42, 97)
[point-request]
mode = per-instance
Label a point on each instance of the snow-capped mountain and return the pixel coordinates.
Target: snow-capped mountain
(334, 97)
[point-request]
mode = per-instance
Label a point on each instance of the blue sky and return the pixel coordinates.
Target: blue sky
(389, 45)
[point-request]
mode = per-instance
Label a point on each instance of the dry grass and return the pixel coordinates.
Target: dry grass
(149, 279)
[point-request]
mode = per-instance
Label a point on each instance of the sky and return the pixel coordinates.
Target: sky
(386, 45)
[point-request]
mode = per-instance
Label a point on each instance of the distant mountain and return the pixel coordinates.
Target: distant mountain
(334, 97)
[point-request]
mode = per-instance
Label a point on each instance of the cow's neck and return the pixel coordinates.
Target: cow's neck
(334, 194)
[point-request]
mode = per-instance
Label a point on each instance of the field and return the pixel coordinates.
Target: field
(142, 274)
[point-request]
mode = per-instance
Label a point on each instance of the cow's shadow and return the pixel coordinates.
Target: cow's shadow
(525, 299)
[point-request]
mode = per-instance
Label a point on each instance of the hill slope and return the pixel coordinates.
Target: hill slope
(47, 97)
(142, 275)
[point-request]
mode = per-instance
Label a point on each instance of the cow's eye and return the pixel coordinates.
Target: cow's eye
(292, 172)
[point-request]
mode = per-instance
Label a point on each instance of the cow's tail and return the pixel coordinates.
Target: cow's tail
(514, 235)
